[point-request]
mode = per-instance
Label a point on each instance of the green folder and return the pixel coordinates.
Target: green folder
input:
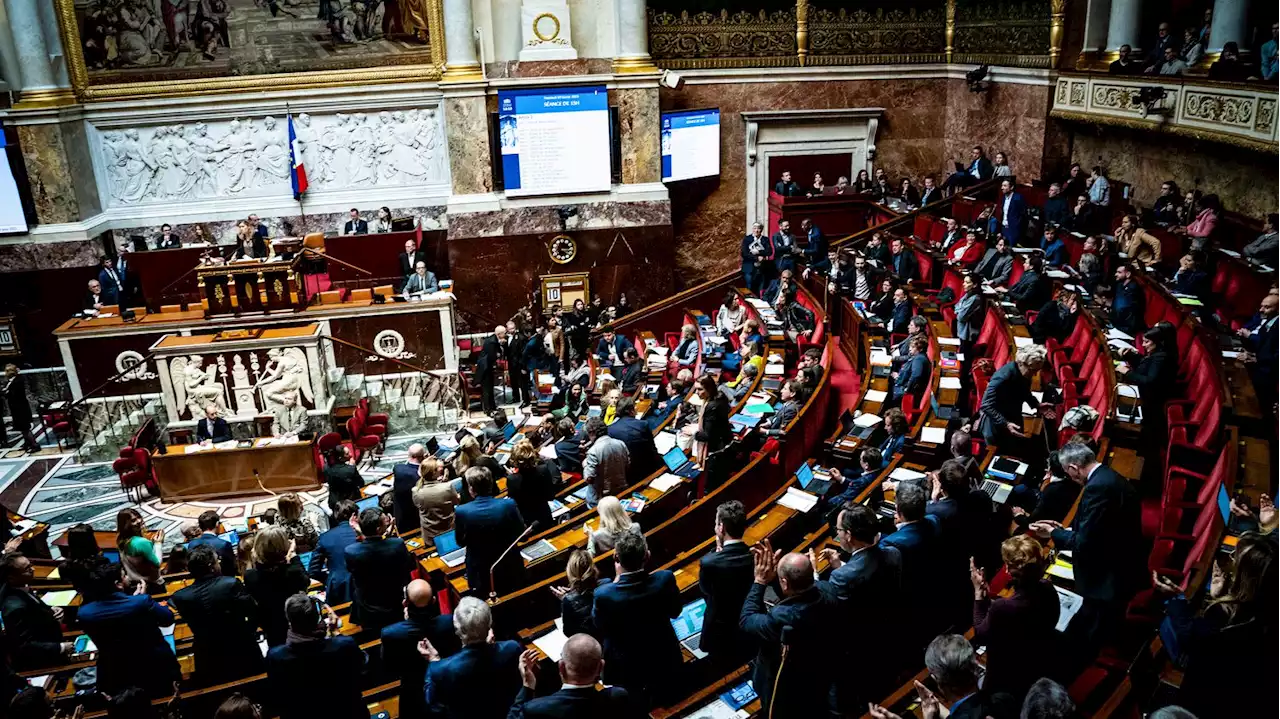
(760, 408)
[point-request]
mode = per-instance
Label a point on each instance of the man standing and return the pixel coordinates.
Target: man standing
(223, 620)
(1100, 188)
(604, 469)
(410, 258)
(517, 373)
(815, 250)
(328, 563)
(581, 663)
(15, 398)
(642, 453)
(404, 477)
(633, 615)
(355, 225)
(33, 629)
(1260, 340)
(724, 577)
(786, 187)
(1013, 213)
(380, 567)
(487, 365)
(784, 247)
(422, 620)
(208, 523)
(1128, 312)
(757, 258)
(1105, 541)
(111, 281)
(313, 658)
(479, 681)
(804, 618)
(487, 526)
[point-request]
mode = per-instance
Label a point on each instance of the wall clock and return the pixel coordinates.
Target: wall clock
(562, 249)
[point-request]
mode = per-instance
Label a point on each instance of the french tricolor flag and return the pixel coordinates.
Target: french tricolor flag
(298, 172)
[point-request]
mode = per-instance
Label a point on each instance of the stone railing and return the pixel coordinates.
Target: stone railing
(1237, 114)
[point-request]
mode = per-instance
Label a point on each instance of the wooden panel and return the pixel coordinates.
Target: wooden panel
(219, 473)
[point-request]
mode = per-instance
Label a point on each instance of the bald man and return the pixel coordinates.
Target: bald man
(422, 620)
(487, 364)
(812, 618)
(581, 663)
(404, 477)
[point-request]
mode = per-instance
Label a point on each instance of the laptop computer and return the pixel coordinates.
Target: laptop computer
(231, 537)
(305, 558)
(809, 483)
(508, 431)
(679, 464)
(997, 491)
(366, 503)
(447, 547)
(688, 626)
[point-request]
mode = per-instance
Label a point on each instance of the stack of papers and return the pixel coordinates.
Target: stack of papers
(193, 448)
(903, 474)
(664, 441)
(1023, 341)
(552, 644)
(1115, 334)
(948, 383)
(666, 482)
(1062, 570)
(798, 500)
(949, 341)
(866, 419)
(875, 395)
(933, 435)
(775, 369)
(880, 358)
(60, 599)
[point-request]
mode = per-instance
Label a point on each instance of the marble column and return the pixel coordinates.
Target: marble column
(466, 128)
(10, 67)
(639, 118)
(1230, 24)
(1123, 25)
(44, 80)
(1096, 18)
(633, 38)
(461, 62)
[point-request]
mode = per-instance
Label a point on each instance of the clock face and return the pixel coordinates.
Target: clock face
(563, 249)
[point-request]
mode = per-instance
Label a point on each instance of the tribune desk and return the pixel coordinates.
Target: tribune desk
(231, 469)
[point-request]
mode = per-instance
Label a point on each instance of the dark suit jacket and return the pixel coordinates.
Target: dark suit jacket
(226, 553)
(782, 417)
(914, 376)
(569, 455)
(904, 265)
(576, 703)
(33, 636)
(294, 672)
(787, 189)
(1013, 629)
(635, 433)
(400, 653)
(90, 301)
(131, 650)
(725, 578)
(918, 543)
(621, 344)
(111, 290)
(1055, 210)
(361, 227)
(1031, 291)
(983, 705)
(930, 194)
(380, 569)
(408, 264)
(631, 377)
(1155, 377)
(1106, 539)
(173, 241)
(479, 682)
(329, 563)
(1012, 229)
(716, 430)
(803, 690)
(1055, 501)
(531, 488)
(985, 169)
(995, 267)
(901, 318)
(749, 259)
(221, 430)
(870, 581)
(1002, 402)
(1128, 308)
(223, 620)
(486, 526)
(404, 476)
(633, 615)
(490, 353)
(269, 587)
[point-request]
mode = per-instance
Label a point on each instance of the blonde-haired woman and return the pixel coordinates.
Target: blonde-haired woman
(609, 402)
(1018, 626)
(300, 529)
(532, 485)
(468, 453)
(613, 522)
(277, 574)
(435, 499)
(577, 599)
(685, 353)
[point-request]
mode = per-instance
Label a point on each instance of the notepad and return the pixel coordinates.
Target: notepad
(1229, 354)
(949, 341)
(1023, 341)
(875, 395)
(798, 500)
(666, 482)
(934, 435)
(552, 644)
(1062, 570)
(758, 408)
(948, 383)
(866, 419)
(1115, 334)
(903, 474)
(60, 599)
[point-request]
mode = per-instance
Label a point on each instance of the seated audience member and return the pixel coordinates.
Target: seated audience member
(750, 355)
(167, 239)
(1057, 319)
(807, 615)
(614, 521)
(988, 222)
(882, 189)
(862, 182)
(94, 299)
(1076, 183)
(996, 265)
(1171, 64)
(1264, 248)
(798, 321)
(422, 621)
(1000, 166)
(573, 402)
(1018, 626)
(1155, 374)
(916, 372)
(979, 169)
(876, 251)
(222, 618)
(380, 567)
(421, 282)
(611, 348)
(895, 423)
(633, 373)
(1192, 48)
(740, 387)
(1260, 341)
(355, 225)
(316, 656)
(870, 464)
(131, 703)
(208, 526)
(1080, 218)
(633, 615)
(1190, 279)
(789, 393)
(724, 578)
(1135, 242)
(276, 575)
(731, 315)
(33, 629)
(1201, 228)
(810, 371)
(342, 477)
(968, 253)
(289, 419)
(132, 652)
(80, 555)
(238, 706)
(581, 664)
(908, 193)
(435, 499)
(675, 391)
(1165, 209)
(486, 526)
(301, 531)
(568, 447)
(1010, 386)
(1054, 249)
(787, 187)
(1228, 66)
(1054, 501)
(212, 429)
(1088, 270)
(532, 484)
(328, 563)
(1031, 290)
(1048, 699)
(929, 191)
(139, 555)
(686, 351)
(1128, 305)
(1055, 206)
(578, 599)
(1186, 212)
(900, 313)
(902, 262)
(954, 667)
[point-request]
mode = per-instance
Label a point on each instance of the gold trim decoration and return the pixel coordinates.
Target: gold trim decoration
(842, 36)
(634, 65)
(723, 39)
(538, 33)
(43, 98)
(1181, 130)
(1002, 30)
(1057, 17)
(802, 30)
(567, 245)
(72, 46)
(950, 30)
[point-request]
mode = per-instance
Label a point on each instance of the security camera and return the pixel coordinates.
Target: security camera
(977, 79)
(671, 80)
(1150, 100)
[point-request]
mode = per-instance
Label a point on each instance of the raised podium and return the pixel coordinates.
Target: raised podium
(249, 287)
(835, 215)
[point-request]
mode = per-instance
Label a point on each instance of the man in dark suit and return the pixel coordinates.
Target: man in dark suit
(785, 412)
(916, 539)
(786, 187)
(328, 563)
(568, 447)
(803, 620)
(1010, 387)
(915, 374)
(487, 366)
(403, 477)
(518, 376)
(635, 433)
(487, 526)
(967, 531)
(295, 670)
(816, 257)
(581, 663)
(632, 374)
(612, 348)
(633, 615)
(15, 399)
(208, 523)
(167, 240)
(955, 670)
(953, 234)
(259, 228)
(1128, 307)
(1012, 212)
(33, 629)
(1260, 340)
(902, 261)
(355, 225)
(132, 651)
(979, 169)
(870, 464)
(380, 567)
(422, 620)
(1055, 206)
(1106, 543)
(223, 619)
(930, 192)
(481, 680)
(676, 391)
(724, 577)
(410, 258)
(93, 297)
(112, 282)
(1033, 289)
(900, 321)
(757, 259)
(130, 288)
(863, 585)
(785, 248)
(212, 429)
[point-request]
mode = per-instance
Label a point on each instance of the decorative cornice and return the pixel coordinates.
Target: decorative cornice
(1244, 143)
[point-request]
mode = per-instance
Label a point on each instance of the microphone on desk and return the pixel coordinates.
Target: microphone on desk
(493, 594)
(261, 486)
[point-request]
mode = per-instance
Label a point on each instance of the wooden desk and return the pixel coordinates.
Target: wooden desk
(217, 473)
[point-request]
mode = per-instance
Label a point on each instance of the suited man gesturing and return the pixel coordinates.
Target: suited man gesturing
(487, 365)
(223, 620)
(581, 664)
(481, 680)
(724, 577)
(380, 567)
(486, 526)
(355, 225)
